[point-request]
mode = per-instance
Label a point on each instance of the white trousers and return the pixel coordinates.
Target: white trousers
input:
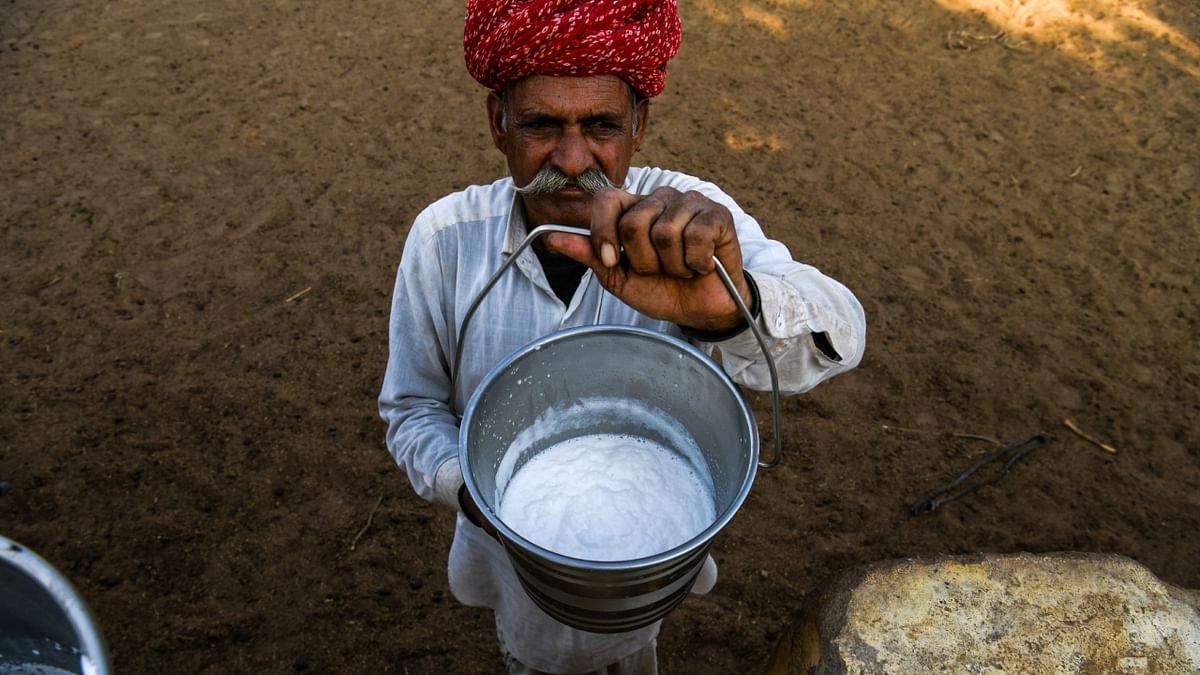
(481, 575)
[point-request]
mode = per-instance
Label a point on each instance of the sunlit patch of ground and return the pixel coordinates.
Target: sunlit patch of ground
(742, 133)
(762, 14)
(767, 20)
(1087, 29)
(748, 138)
(1084, 28)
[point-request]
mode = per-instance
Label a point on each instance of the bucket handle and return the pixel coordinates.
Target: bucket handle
(729, 285)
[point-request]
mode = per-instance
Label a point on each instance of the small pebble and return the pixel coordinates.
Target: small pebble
(416, 583)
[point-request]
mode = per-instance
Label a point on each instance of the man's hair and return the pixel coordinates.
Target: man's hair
(634, 99)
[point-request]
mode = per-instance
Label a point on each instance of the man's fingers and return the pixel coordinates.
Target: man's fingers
(701, 239)
(666, 232)
(607, 208)
(574, 246)
(635, 229)
(668, 235)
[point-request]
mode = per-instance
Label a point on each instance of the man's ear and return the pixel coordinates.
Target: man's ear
(496, 122)
(643, 113)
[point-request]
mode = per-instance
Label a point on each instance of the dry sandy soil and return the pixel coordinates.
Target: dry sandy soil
(202, 205)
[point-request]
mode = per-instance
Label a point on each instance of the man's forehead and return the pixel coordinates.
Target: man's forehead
(569, 96)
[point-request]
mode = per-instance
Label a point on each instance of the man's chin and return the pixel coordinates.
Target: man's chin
(565, 207)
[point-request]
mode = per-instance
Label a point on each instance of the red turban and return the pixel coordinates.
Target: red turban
(505, 40)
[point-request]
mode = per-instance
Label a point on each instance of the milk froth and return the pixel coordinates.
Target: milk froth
(607, 497)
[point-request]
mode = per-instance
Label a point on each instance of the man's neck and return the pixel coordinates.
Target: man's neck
(562, 273)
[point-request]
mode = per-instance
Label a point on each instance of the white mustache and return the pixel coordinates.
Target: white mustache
(550, 180)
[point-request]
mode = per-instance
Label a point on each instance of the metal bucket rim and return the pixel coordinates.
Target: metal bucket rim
(83, 622)
(703, 538)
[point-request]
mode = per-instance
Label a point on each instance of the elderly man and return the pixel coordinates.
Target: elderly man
(569, 88)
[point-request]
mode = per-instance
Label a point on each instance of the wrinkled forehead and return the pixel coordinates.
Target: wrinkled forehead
(569, 96)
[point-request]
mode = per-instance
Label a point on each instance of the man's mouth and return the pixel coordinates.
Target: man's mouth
(551, 181)
(571, 190)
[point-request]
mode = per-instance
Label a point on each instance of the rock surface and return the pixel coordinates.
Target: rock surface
(1025, 613)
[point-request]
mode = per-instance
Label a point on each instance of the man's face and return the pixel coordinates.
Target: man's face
(571, 124)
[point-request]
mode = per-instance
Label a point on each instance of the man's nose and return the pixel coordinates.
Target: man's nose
(572, 155)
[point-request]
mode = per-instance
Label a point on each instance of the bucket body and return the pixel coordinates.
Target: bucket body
(45, 626)
(618, 380)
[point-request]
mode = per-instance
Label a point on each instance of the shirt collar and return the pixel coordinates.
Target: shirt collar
(514, 228)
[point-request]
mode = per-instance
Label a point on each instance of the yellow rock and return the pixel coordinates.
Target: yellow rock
(1051, 613)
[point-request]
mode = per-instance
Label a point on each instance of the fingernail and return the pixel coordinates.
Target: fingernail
(608, 255)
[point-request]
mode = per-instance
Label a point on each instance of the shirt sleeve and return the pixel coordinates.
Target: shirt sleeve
(813, 325)
(422, 432)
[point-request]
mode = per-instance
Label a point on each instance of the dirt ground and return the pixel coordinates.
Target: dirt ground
(203, 204)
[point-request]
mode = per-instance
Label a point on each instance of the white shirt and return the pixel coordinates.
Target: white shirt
(453, 248)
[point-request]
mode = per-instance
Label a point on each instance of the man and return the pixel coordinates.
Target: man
(570, 83)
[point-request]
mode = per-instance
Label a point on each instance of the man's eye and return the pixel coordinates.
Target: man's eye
(605, 127)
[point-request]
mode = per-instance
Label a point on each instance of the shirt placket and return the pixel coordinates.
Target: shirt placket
(528, 265)
(584, 304)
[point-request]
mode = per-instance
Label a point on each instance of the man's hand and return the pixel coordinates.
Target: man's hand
(665, 271)
(471, 511)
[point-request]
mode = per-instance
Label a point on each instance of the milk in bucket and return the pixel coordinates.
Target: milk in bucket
(607, 496)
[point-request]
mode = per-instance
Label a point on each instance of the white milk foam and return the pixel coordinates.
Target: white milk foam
(607, 497)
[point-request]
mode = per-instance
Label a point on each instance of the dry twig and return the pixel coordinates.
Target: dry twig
(370, 519)
(977, 437)
(1091, 439)
(299, 295)
(953, 434)
(962, 39)
(888, 427)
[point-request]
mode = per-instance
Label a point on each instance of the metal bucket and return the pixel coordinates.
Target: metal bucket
(615, 369)
(45, 626)
(609, 367)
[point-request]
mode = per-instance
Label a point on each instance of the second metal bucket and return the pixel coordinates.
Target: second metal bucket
(45, 625)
